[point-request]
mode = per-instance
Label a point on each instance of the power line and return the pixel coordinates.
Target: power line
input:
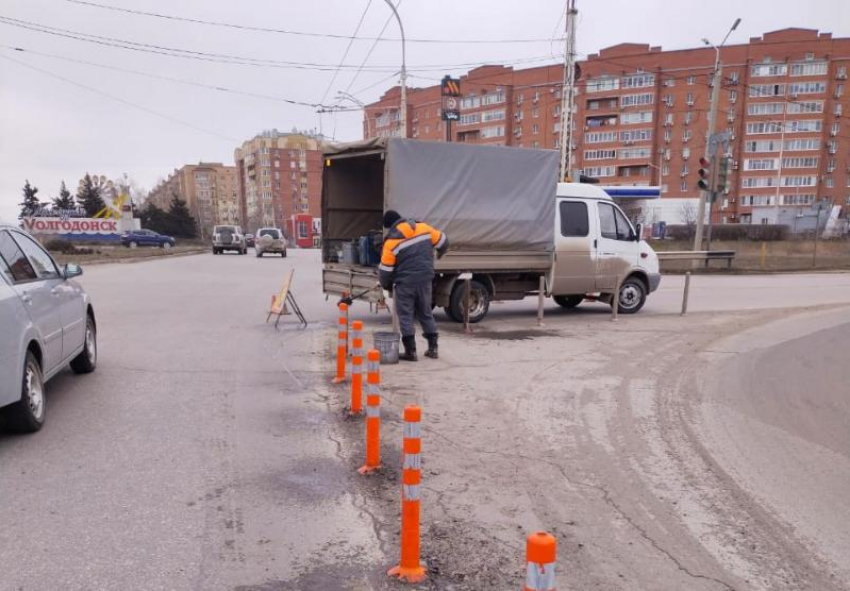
(220, 57)
(371, 49)
(347, 49)
(166, 78)
(101, 92)
(300, 33)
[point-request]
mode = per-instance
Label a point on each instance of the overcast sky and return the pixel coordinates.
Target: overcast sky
(52, 130)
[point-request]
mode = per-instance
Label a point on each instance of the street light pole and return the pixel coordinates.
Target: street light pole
(403, 114)
(712, 117)
(351, 98)
(567, 92)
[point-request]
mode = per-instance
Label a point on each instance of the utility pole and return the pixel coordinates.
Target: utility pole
(403, 114)
(712, 118)
(568, 91)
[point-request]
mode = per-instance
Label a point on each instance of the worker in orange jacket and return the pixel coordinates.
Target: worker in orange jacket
(407, 266)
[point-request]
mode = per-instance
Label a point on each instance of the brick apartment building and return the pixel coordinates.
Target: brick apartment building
(641, 118)
(280, 183)
(210, 190)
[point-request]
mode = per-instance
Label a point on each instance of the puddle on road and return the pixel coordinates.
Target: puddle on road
(511, 335)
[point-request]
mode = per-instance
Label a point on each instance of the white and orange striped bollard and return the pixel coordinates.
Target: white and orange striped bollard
(342, 343)
(540, 552)
(356, 367)
(409, 568)
(373, 413)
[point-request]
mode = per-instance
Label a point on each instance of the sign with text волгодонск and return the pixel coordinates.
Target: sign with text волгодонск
(74, 228)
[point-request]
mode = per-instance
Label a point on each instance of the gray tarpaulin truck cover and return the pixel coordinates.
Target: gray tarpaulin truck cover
(482, 197)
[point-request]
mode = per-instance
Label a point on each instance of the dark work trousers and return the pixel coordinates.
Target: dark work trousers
(413, 302)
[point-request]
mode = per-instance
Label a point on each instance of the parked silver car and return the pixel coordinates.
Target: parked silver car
(46, 322)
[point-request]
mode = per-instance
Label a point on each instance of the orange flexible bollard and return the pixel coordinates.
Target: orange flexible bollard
(409, 568)
(540, 552)
(373, 412)
(357, 367)
(342, 344)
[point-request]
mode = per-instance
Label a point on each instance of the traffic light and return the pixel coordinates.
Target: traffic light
(704, 182)
(723, 173)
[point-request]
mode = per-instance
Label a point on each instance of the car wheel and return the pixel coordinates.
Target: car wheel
(27, 414)
(86, 361)
(133, 244)
(568, 301)
(283, 254)
(479, 301)
(632, 296)
(258, 253)
(166, 246)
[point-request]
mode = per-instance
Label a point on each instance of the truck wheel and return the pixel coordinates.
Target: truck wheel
(479, 301)
(632, 296)
(568, 301)
(27, 414)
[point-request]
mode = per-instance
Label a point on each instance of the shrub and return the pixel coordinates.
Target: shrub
(755, 232)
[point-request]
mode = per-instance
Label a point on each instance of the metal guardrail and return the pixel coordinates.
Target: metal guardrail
(698, 255)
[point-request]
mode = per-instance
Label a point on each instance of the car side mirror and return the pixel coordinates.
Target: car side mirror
(638, 232)
(72, 270)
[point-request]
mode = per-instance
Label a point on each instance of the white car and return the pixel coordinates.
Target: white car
(270, 240)
(47, 322)
(228, 237)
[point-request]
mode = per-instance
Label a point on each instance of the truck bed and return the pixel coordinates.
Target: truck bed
(355, 279)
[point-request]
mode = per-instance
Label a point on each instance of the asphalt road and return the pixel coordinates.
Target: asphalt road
(209, 451)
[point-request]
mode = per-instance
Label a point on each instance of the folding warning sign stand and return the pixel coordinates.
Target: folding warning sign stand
(279, 302)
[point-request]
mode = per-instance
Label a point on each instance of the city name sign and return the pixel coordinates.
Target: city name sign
(58, 225)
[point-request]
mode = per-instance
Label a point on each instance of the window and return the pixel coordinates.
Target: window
(684, 185)
(535, 129)
(636, 135)
(733, 78)
(535, 112)
(19, 268)
(470, 102)
(686, 153)
(757, 200)
(598, 137)
(668, 119)
(607, 221)
(809, 69)
(764, 127)
(804, 126)
(689, 116)
(600, 171)
(613, 224)
(603, 84)
(762, 146)
(668, 134)
(797, 199)
(493, 115)
(303, 230)
(637, 117)
(829, 182)
(757, 90)
(489, 132)
(799, 181)
(802, 144)
(574, 220)
(690, 80)
(758, 182)
(765, 108)
(470, 119)
(599, 154)
(634, 153)
(631, 100)
(690, 98)
(760, 164)
(687, 135)
(800, 162)
(733, 96)
(638, 81)
(806, 107)
(762, 70)
(807, 88)
(44, 266)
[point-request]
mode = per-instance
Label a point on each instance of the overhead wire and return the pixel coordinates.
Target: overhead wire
(101, 92)
(371, 49)
(161, 77)
(299, 33)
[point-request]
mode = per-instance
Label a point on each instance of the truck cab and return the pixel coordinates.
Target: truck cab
(596, 249)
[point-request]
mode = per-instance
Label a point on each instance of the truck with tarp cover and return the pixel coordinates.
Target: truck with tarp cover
(508, 220)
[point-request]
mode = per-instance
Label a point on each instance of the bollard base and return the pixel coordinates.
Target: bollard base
(410, 575)
(366, 470)
(355, 413)
(337, 380)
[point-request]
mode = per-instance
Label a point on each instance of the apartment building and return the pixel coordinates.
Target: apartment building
(641, 118)
(280, 179)
(210, 190)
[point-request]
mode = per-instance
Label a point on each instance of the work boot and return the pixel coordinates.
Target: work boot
(432, 346)
(409, 349)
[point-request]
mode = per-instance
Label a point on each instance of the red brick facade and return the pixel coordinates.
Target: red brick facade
(641, 117)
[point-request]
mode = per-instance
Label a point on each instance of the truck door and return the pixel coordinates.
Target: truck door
(618, 250)
(574, 265)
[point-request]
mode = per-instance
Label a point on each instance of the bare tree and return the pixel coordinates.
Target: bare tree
(688, 213)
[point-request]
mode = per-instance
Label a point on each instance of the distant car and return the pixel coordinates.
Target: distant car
(47, 322)
(270, 240)
(135, 238)
(249, 240)
(227, 237)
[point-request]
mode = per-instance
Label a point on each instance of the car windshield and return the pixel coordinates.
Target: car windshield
(273, 233)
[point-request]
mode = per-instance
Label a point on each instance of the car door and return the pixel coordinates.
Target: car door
(36, 281)
(13, 320)
(72, 311)
(574, 267)
(618, 250)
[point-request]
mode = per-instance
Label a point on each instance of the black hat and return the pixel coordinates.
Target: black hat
(391, 217)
